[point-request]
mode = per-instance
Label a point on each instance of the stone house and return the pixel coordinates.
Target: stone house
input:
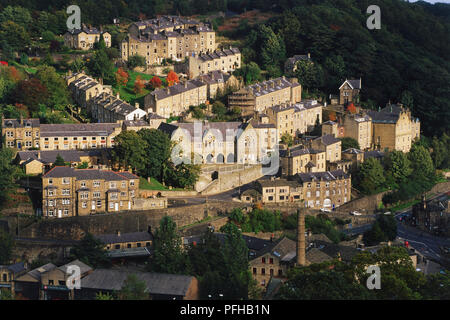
(106, 108)
(9, 273)
(260, 96)
(394, 128)
(299, 159)
(331, 146)
(85, 38)
(349, 91)
(68, 192)
(176, 100)
(167, 37)
(290, 66)
(218, 82)
(225, 60)
(255, 142)
(21, 134)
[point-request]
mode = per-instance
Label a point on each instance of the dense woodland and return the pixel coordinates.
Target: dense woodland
(406, 61)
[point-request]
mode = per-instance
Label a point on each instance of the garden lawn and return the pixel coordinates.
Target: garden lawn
(127, 92)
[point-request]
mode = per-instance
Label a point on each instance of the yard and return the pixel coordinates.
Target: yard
(127, 92)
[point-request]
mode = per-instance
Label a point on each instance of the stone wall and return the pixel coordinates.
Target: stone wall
(232, 178)
(74, 228)
(51, 251)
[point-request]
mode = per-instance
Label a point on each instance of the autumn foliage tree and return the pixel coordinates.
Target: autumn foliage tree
(351, 108)
(138, 85)
(155, 82)
(31, 93)
(172, 78)
(121, 77)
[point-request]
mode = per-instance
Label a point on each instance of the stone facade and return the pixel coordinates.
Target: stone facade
(225, 60)
(69, 192)
(301, 160)
(359, 127)
(394, 128)
(167, 37)
(349, 91)
(328, 189)
(21, 134)
(266, 94)
(85, 38)
(330, 145)
(176, 100)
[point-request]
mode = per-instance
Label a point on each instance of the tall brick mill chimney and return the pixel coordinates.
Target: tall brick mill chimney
(301, 260)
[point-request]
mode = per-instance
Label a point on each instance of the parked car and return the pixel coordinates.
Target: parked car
(355, 213)
(325, 210)
(387, 213)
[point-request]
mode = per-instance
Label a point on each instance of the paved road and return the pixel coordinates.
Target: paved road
(426, 244)
(358, 230)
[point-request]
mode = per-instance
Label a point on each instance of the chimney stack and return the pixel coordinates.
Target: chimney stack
(118, 233)
(301, 238)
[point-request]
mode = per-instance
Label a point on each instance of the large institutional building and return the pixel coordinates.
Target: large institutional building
(167, 37)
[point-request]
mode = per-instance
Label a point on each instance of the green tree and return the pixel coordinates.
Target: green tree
(157, 155)
(398, 166)
(348, 142)
(371, 176)
(235, 255)
(14, 34)
(421, 162)
(168, 255)
(249, 72)
(440, 154)
(183, 175)
(8, 173)
(133, 289)
(287, 139)
(100, 66)
(91, 251)
(59, 95)
(136, 61)
(59, 161)
(309, 74)
(6, 246)
(129, 151)
(103, 296)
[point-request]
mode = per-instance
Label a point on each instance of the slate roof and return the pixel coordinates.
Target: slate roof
(125, 237)
(265, 183)
(298, 150)
(49, 156)
(17, 123)
(88, 174)
(225, 128)
(36, 273)
(320, 176)
(78, 129)
(157, 283)
(167, 128)
(352, 151)
(14, 268)
(215, 77)
(84, 268)
(373, 154)
(327, 140)
(268, 86)
(177, 89)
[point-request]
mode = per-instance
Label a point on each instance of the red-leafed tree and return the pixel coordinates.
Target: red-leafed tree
(332, 116)
(351, 108)
(121, 77)
(155, 82)
(31, 93)
(138, 85)
(172, 78)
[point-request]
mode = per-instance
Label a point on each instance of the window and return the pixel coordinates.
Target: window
(132, 183)
(96, 184)
(96, 194)
(138, 244)
(84, 204)
(50, 181)
(65, 192)
(263, 260)
(111, 205)
(254, 270)
(83, 183)
(129, 245)
(117, 246)
(65, 201)
(66, 212)
(66, 180)
(50, 193)
(50, 213)
(99, 203)
(50, 282)
(113, 184)
(263, 271)
(271, 272)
